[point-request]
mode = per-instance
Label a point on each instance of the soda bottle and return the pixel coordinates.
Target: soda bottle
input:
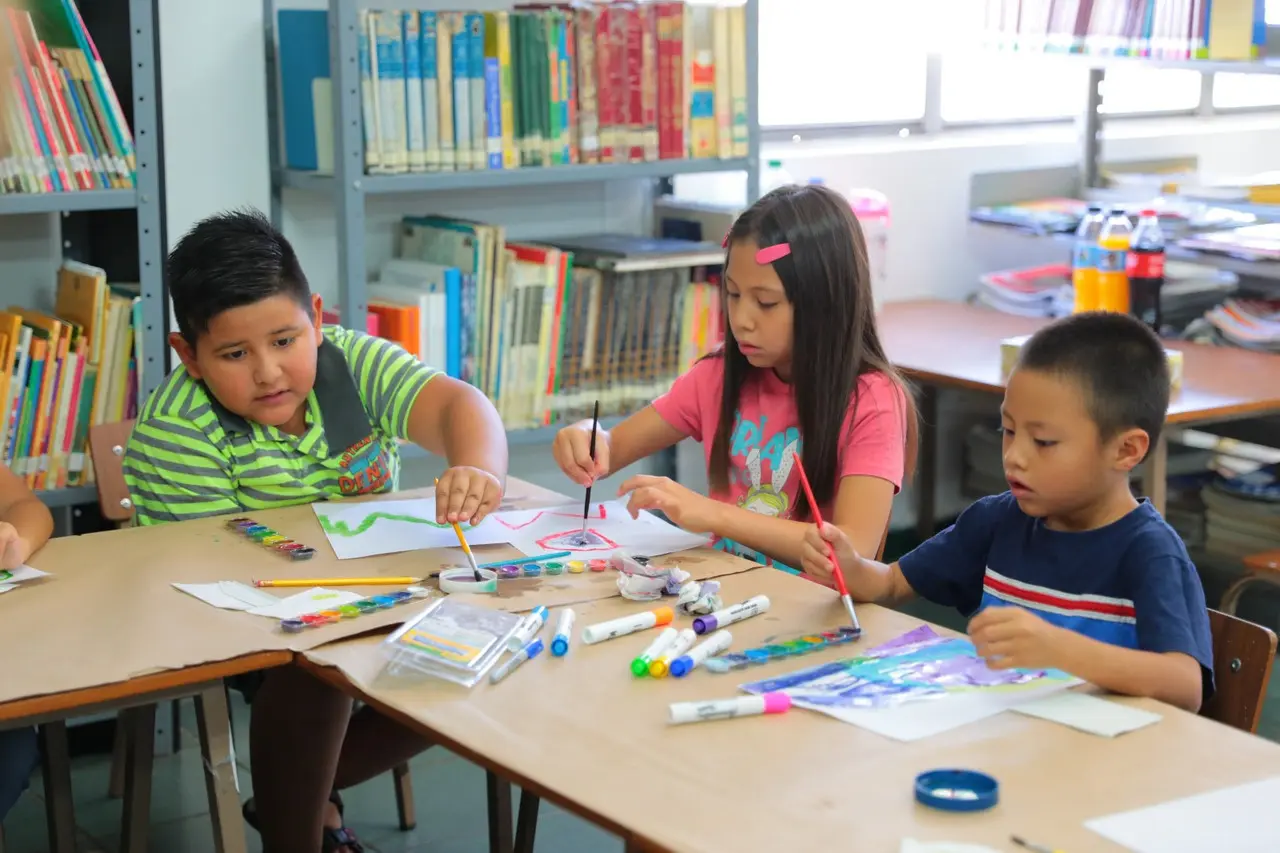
(1145, 268)
(1084, 260)
(1113, 254)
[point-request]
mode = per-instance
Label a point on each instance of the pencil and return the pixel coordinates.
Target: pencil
(586, 504)
(466, 549)
(1034, 848)
(836, 571)
(378, 581)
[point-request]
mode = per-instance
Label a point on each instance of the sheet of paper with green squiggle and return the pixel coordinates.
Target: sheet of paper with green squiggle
(369, 528)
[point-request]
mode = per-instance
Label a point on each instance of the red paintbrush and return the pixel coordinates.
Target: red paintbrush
(831, 553)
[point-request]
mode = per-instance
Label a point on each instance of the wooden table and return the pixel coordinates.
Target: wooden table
(109, 632)
(955, 345)
(583, 733)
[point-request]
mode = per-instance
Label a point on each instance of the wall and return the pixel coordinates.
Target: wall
(216, 158)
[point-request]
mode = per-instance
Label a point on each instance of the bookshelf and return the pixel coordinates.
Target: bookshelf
(120, 230)
(350, 188)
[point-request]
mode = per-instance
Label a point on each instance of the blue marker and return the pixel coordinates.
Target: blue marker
(564, 633)
(528, 629)
(509, 666)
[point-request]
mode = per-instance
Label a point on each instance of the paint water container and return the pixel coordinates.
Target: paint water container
(774, 176)
(871, 207)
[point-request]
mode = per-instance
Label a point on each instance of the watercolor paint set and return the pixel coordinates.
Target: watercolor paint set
(777, 651)
(360, 607)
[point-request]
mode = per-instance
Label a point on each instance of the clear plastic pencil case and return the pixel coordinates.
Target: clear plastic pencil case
(452, 640)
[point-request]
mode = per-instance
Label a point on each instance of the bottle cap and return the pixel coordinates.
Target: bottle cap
(559, 646)
(1148, 212)
(956, 790)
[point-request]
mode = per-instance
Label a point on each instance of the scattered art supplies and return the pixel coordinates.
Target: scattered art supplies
(452, 640)
(914, 686)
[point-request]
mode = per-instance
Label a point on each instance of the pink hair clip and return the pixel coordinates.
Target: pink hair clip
(768, 254)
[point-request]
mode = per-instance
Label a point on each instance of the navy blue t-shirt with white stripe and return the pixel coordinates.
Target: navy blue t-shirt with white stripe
(1129, 583)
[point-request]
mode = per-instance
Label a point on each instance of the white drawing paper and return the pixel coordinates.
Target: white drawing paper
(5, 587)
(1241, 819)
(609, 527)
(1088, 713)
(228, 595)
(20, 574)
(368, 528)
(310, 601)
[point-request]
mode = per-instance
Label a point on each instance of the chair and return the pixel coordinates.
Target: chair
(106, 449)
(1243, 653)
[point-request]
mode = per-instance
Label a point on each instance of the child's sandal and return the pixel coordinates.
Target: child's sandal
(332, 841)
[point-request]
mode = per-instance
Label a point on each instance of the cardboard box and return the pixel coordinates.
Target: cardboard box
(1010, 347)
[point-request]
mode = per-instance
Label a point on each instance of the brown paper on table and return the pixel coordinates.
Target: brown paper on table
(584, 731)
(110, 612)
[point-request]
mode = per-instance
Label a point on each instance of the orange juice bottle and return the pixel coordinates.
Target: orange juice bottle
(1113, 253)
(1084, 260)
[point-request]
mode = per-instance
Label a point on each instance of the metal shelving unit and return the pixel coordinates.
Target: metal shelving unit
(138, 51)
(350, 187)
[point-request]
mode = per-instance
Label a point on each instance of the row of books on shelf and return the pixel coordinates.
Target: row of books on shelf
(64, 129)
(1165, 29)
(69, 369)
(545, 329)
(591, 82)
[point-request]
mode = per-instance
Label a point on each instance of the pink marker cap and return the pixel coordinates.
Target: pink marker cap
(776, 703)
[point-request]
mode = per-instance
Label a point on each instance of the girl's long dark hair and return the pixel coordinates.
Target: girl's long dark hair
(828, 283)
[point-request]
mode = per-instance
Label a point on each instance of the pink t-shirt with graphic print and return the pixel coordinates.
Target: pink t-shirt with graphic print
(767, 432)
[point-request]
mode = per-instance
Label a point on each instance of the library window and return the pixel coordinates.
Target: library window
(1242, 91)
(840, 63)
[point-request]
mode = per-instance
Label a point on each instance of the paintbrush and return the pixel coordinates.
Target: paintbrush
(466, 549)
(836, 572)
(586, 504)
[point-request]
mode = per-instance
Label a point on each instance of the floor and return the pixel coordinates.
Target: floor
(449, 793)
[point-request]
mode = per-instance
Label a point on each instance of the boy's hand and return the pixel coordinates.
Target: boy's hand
(816, 560)
(572, 452)
(14, 550)
(466, 495)
(686, 508)
(1009, 637)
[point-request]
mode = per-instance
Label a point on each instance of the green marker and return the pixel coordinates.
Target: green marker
(640, 666)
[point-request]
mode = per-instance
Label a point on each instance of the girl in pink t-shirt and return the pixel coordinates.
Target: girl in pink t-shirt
(802, 371)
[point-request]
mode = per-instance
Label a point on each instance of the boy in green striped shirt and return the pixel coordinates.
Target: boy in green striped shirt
(272, 409)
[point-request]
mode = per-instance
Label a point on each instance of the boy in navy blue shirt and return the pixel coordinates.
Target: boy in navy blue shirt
(1066, 569)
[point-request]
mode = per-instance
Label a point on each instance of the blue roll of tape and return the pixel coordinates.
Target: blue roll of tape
(956, 790)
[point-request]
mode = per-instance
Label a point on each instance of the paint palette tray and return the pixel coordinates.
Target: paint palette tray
(802, 645)
(263, 535)
(360, 607)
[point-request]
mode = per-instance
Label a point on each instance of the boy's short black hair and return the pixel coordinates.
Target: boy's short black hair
(228, 260)
(1119, 362)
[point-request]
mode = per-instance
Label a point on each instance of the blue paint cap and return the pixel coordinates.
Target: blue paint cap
(681, 666)
(956, 790)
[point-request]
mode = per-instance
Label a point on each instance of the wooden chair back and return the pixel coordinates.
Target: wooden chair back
(106, 449)
(1242, 656)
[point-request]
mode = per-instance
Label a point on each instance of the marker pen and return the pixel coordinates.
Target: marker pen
(751, 607)
(662, 665)
(626, 625)
(564, 633)
(724, 709)
(528, 629)
(640, 666)
(510, 664)
(710, 647)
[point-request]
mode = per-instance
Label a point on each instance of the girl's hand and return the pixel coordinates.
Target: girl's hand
(572, 452)
(686, 508)
(466, 495)
(816, 559)
(14, 550)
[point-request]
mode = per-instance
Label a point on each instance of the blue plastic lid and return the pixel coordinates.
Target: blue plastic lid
(680, 666)
(955, 790)
(559, 645)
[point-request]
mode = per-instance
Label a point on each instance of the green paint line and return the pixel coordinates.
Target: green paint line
(341, 528)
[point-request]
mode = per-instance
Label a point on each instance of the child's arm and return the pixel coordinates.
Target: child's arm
(25, 523)
(643, 434)
(455, 420)
(1011, 637)
(867, 580)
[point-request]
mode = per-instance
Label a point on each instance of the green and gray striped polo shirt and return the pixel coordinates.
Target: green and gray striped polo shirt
(189, 457)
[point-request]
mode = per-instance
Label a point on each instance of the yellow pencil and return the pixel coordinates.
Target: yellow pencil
(379, 581)
(466, 549)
